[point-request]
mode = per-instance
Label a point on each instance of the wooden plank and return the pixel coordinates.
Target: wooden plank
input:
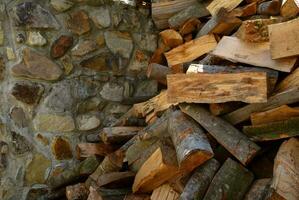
(257, 54)
(250, 87)
(259, 189)
(285, 180)
(231, 182)
(277, 114)
(191, 50)
(289, 9)
(227, 135)
(216, 5)
(286, 46)
(118, 135)
(286, 97)
(165, 192)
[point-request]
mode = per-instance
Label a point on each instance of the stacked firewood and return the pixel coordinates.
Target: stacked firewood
(225, 125)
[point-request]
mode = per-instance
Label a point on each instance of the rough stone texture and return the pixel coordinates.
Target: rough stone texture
(36, 39)
(119, 43)
(84, 47)
(61, 5)
(112, 92)
(61, 45)
(78, 22)
(27, 93)
(101, 17)
(61, 149)
(54, 123)
(18, 116)
(20, 144)
(88, 122)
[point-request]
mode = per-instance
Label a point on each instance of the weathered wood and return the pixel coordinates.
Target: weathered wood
(245, 11)
(257, 54)
(216, 5)
(289, 8)
(118, 135)
(191, 50)
(231, 182)
(85, 150)
(223, 108)
(258, 190)
(165, 192)
(277, 114)
(222, 23)
(285, 180)
(273, 131)
(282, 47)
(227, 135)
(158, 55)
(158, 72)
(249, 87)
(200, 180)
(162, 11)
(116, 180)
(93, 194)
(78, 191)
(171, 38)
(137, 197)
(159, 168)
(242, 114)
(189, 26)
(291, 81)
(191, 144)
(269, 8)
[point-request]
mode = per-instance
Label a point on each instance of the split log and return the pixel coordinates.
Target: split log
(112, 194)
(249, 87)
(191, 50)
(165, 192)
(222, 23)
(231, 182)
(188, 27)
(196, 10)
(159, 168)
(216, 5)
(285, 180)
(85, 150)
(158, 72)
(162, 11)
(274, 115)
(227, 135)
(259, 190)
(257, 54)
(270, 8)
(93, 194)
(171, 38)
(291, 81)
(245, 11)
(158, 55)
(273, 131)
(116, 180)
(137, 197)
(78, 191)
(200, 180)
(242, 114)
(118, 135)
(286, 46)
(289, 8)
(191, 144)
(223, 108)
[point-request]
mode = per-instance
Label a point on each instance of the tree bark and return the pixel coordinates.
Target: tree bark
(158, 72)
(118, 135)
(259, 190)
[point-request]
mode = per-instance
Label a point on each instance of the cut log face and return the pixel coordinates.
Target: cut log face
(165, 192)
(273, 131)
(231, 182)
(249, 87)
(189, 26)
(171, 38)
(216, 5)
(285, 178)
(259, 189)
(191, 50)
(191, 144)
(257, 54)
(286, 46)
(274, 115)
(200, 180)
(118, 135)
(228, 136)
(289, 8)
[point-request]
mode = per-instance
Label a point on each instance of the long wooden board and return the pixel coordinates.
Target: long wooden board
(249, 87)
(257, 54)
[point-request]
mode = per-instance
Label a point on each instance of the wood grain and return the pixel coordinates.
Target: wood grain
(216, 5)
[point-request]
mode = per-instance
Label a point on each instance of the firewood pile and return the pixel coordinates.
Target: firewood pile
(225, 124)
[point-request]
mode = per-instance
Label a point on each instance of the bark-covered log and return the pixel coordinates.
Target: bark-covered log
(137, 197)
(200, 180)
(191, 144)
(158, 72)
(118, 135)
(231, 182)
(259, 190)
(227, 135)
(85, 150)
(116, 180)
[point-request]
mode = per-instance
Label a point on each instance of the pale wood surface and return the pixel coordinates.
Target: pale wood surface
(165, 192)
(216, 5)
(289, 8)
(291, 81)
(171, 38)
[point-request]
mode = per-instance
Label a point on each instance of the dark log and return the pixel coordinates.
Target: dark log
(118, 135)
(200, 180)
(231, 182)
(269, 8)
(191, 144)
(224, 108)
(85, 150)
(227, 135)
(259, 190)
(137, 197)
(116, 180)
(158, 72)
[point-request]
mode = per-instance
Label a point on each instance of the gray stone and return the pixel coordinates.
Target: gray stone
(139, 62)
(18, 116)
(93, 104)
(112, 92)
(119, 43)
(84, 47)
(146, 41)
(61, 5)
(88, 122)
(36, 39)
(10, 53)
(146, 88)
(20, 144)
(101, 17)
(3, 155)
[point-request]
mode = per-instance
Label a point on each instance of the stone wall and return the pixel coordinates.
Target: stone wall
(67, 69)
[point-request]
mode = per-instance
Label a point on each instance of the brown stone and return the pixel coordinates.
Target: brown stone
(61, 149)
(77, 192)
(29, 94)
(97, 63)
(78, 22)
(61, 45)
(84, 47)
(18, 116)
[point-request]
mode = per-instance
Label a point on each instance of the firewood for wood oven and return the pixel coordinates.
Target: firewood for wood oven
(165, 192)
(118, 135)
(289, 8)
(78, 191)
(158, 72)
(257, 54)
(191, 50)
(259, 190)
(116, 180)
(245, 11)
(159, 168)
(216, 5)
(158, 55)
(171, 38)
(109, 194)
(224, 108)
(284, 39)
(274, 115)
(270, 8)
(292, 80)
(189, 26)
(227, 135)
(191, 144)
(137, 197)
(231, 182)
(273, 131)
(200, 180)
(286, 97)
(249, 87)
(85, 150)
(285, 180)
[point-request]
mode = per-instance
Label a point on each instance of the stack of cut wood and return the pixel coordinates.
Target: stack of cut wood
(226, 124)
